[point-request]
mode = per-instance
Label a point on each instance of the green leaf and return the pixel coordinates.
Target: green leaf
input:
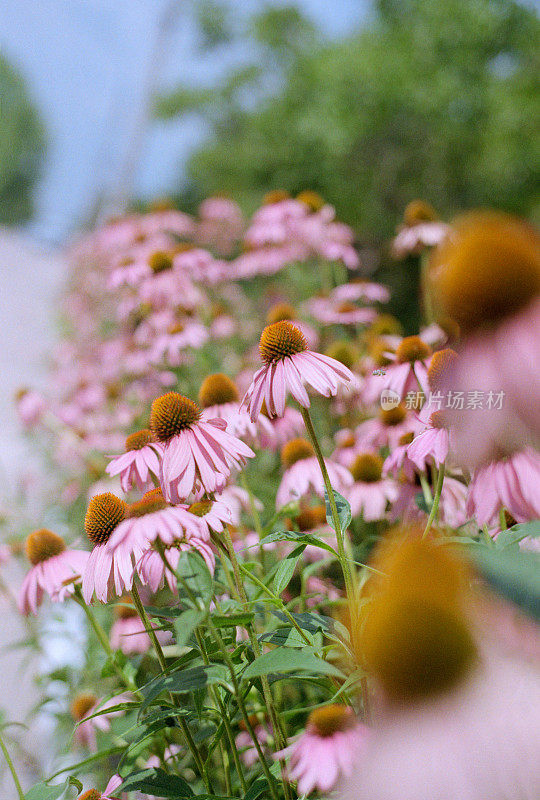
(43, 792)
(298, 538)
(288, 636)
(514, 535)
(515, 575)
(285, 571)
(343, 510)
(232, 620)
(259, 787)
(157, 782)
(308, 621)
(287, 659)
(185, 624)
(193, 572)
(187, 680)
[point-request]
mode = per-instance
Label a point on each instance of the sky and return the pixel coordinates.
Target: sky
(85, 63)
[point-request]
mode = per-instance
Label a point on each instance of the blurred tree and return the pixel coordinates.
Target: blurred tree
(433, 100)
(22, 146)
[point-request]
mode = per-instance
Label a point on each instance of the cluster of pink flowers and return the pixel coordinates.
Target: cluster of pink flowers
(164, 307)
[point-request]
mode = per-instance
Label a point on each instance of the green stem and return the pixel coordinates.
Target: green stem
(426, 491)
(163, 664)
(255, 516)
(343, 556)
(225, 718)
(279, 736)
(241, 705)
(12, 769)
(104, 641)
(436, 499)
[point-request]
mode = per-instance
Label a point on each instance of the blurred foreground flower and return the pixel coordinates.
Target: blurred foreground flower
(54, 571)
(485, 276)
(457, 713)
(325, 751)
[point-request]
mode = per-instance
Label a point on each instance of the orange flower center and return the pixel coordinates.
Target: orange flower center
(171, 414)
(412, 349)
(279, 340)
(275, 196)
(160, 261)
(393, 416)
(82, 704)
(311, 199)
(217, 389)
(149, 503)
(439, 366)
(367, 468)
(486, 269)
(280, 312)
(414, 634)
(201, 508)
(91, 794)
(105, 512)
(296, 450)
(331, 719)
(124, 608)
(139, 439)
(418, 211)
(42, 545)
(311, 517)
(406, 438)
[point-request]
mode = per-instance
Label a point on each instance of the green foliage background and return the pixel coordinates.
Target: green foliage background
(22, 146)
(429, 99)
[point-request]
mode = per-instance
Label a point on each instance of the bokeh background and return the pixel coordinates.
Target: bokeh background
(372, 103)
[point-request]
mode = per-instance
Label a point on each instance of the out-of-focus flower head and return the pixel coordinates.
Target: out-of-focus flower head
(55, 570)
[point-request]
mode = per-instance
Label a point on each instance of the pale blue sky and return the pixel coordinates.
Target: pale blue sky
(84, 62)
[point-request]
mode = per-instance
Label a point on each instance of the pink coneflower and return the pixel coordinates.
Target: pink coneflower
(370, 493)
(198, 453)
(362, 290)
(432, 445)
(138, 463)
(330, 311)
(55, 570)
(408, 370)
(458, 716)
(303, 474)
(244, 744)
(170, 346)
(128, 633)
(398, 460)
(486, 277)
(288, 365)
(93, 794)
(497, 378)
(511, 483)
(386, 429)
(415, 239)
(324, 754)
(151, 568)
(104, 571)
(84, 705)
(152, 518)
(30, 407)
(285, 312)
(276, 432)
(220, 399)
